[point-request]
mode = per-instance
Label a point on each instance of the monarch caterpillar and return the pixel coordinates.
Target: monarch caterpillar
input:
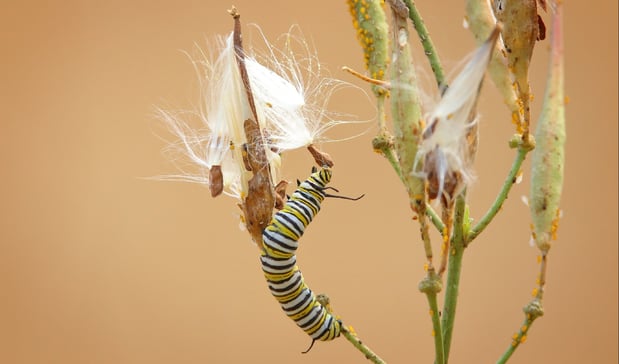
(279, 262)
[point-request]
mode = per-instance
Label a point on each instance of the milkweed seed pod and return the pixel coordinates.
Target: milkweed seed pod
(370, 22)
(481, 21)
(449, 143)
(548, 156)
(521, 29)
(290, 93)
(405, 105)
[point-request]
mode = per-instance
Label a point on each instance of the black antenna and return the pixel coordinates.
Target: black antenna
(310, 347)
(345, 197)
(339, 196)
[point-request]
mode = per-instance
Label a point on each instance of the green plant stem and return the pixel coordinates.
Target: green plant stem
(501, 197)
(454, 269)
(436, 330)
(431, 285)
(357, 343)
(426, 42)
(425, 237)
(532, 311)
(436, 220)
(389, 154)
(383, 142)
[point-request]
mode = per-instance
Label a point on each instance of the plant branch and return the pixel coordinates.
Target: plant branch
(357, 343)
(425, 237)
(426, 42)
(436, 220)
(454, 269)
(532, 310)
(524, 147)
(431, 285)
(383, 142)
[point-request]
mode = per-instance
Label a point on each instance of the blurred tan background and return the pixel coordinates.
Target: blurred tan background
(98, 265)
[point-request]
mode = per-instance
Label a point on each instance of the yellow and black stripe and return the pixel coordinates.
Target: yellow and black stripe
(279, 263)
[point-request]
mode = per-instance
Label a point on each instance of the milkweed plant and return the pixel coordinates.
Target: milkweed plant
(255, 106)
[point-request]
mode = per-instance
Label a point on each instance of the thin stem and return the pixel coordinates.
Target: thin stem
(393, 160)
(354, 339)
(383, 142)
(456, 254)
(431, 285)
(436, 220)
(370, 80)
(426, 42)
(541, 279)
(436, 329)
(425, 237)
(503, 194)
(517, 339)
(447, 217)
(532, 311)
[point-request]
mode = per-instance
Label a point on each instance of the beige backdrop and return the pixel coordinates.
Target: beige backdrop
(98, 265)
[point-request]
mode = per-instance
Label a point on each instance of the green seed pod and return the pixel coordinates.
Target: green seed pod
(548, 155)
(371, 25)
(405, 104)
(481, 22)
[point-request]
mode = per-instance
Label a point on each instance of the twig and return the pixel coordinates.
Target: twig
(357, 343)
(454, 269)
(436, 221)
(532, 311)
(431, 286)
(523, 149)
(426, 42)
(373, 81)
(425, 237)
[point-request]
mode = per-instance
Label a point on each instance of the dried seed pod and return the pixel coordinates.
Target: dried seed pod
(450, 138)
(215, 181)
(321, 158)
(280, 194)
(520, 32)
(260, 200)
